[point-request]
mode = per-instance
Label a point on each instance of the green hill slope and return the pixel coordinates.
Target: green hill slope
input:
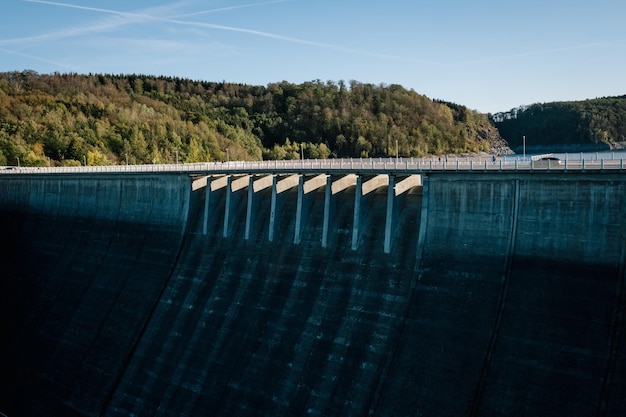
(97, 119)
(566, 126)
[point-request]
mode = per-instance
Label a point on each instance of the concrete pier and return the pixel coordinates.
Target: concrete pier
(264, 294)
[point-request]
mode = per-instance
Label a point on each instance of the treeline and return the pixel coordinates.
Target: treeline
(600, 121)
(98, 119)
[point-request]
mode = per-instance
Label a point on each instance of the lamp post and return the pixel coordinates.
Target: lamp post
(301, 152)
(524, 146)
(227, 156)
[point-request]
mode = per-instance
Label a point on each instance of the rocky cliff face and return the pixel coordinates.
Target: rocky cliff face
(497, 145)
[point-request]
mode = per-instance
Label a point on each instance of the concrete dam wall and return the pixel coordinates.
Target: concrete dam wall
(482, 294)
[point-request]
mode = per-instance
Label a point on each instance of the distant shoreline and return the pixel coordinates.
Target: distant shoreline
(570, 148)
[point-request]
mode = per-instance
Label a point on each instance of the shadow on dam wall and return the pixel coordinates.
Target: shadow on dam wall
(146, 295)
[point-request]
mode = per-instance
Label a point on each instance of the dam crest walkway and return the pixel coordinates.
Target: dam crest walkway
(350, 165)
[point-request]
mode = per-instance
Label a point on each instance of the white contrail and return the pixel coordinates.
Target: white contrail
(7, 51)
(291, 39)
(75, 6)
(223, 9)
(119, 19)
(186, 23)
(145, 17)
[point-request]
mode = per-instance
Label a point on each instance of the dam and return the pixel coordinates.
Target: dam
(313, 292)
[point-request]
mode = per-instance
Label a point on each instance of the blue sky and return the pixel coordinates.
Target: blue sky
(489, 56)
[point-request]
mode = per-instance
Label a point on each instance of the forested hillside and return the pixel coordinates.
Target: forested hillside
(596, 123)
(71, 119)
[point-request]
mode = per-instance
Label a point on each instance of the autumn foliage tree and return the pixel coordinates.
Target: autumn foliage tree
(97, 119)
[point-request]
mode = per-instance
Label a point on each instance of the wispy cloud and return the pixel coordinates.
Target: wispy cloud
(135, 17)
(139, 17)
(224, 9)
(76, 6)
(71, 32)
(117, 20)
(36, 58)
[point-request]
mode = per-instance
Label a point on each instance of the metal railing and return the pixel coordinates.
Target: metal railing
(362, 165)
